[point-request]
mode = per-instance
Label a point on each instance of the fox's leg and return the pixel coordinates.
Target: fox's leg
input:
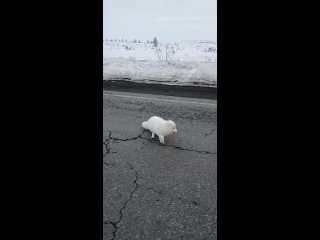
(152, 136)
(161, 138)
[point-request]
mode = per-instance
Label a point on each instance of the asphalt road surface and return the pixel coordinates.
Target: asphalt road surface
(161, 89)
(154, 191)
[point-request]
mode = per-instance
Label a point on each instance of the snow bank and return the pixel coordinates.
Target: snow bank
(192, 63)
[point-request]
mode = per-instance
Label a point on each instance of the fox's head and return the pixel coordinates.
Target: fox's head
(172, 126)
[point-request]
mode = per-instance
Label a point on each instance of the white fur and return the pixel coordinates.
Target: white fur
(160, 127)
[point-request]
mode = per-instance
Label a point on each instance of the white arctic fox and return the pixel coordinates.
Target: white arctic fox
(161, 127)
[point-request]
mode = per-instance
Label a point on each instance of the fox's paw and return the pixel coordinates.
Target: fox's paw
(161, 138)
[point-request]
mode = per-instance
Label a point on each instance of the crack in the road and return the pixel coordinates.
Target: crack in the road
(126, 139)
(140, 137)
(191, 150)
(180, 148)
(115, 224)
(115, 228)
(107, 144)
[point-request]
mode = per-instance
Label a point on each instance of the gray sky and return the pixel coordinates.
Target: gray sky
(166, 19)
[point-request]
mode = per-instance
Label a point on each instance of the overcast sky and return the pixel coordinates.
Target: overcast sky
(168, 20)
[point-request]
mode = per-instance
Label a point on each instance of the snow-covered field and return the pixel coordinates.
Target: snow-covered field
(187, 62)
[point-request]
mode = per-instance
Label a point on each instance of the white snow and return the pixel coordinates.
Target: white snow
(191, 64)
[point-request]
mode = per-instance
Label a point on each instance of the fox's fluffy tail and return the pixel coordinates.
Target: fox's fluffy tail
(145, 125)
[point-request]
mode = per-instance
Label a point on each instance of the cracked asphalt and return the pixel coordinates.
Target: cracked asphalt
(154, 191)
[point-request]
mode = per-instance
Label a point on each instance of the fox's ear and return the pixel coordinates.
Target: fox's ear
(168, 123)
